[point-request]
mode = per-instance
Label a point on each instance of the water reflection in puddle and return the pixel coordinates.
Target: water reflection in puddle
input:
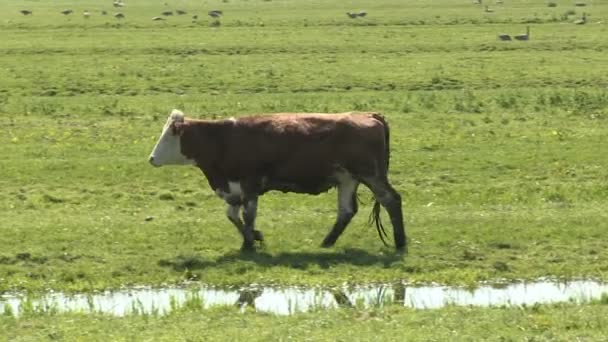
(289, 300)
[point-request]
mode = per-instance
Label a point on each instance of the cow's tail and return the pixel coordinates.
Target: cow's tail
(374, 217)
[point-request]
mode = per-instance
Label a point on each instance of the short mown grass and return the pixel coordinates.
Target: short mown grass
(498, 149)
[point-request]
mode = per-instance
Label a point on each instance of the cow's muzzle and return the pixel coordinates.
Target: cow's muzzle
(151, 161)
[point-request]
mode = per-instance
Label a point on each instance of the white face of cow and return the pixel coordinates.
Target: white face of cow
(168, 148)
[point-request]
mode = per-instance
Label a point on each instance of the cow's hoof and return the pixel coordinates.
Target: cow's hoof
(327, 244)
(401, 250)
(258, 236)
(247, 247)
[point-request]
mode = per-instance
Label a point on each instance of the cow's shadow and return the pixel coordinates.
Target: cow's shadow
(296, 260)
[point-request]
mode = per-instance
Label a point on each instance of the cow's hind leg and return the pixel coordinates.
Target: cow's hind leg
(386, 195)
(233, 213)
(347, 208)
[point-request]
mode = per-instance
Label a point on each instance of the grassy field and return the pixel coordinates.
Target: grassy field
(498, 147)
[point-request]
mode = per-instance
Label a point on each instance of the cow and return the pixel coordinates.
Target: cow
(307, 153)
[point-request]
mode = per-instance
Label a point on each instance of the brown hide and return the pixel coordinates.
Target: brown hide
(288, 151)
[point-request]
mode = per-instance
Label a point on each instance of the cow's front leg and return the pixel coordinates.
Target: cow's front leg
(233, 212)
(250, 206)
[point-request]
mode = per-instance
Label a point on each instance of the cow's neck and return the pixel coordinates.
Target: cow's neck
(205, 142)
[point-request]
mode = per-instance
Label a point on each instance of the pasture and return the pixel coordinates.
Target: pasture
(498, 147)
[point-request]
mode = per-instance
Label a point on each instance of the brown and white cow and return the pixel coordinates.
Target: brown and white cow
(290, 152)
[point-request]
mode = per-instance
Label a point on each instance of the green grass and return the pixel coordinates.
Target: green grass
(497, 149)
(539, 323)
(478, 189)
(496, 146)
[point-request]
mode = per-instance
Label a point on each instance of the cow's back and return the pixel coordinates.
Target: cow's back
(306, 147)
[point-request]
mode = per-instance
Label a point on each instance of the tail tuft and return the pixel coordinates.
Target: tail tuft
(374, 218)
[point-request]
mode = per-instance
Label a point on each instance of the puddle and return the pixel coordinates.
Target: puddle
(289, 300)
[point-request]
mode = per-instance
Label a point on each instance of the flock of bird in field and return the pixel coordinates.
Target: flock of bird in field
(216, 14)
(526, 36)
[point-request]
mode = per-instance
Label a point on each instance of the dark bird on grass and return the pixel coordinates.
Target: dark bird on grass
(26, 12)
(524, 36)
(580, 4)
(119, 15)
(180, 12)
(104, 12)
(352, 15)
(66, 11)
(194, 17)
(215, 13)
(158, 18)
(504, 36)
(118, 4)
(582, 20)
(167, 13)
(362, 14)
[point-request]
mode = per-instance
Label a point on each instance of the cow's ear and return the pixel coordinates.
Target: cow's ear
(177, 115)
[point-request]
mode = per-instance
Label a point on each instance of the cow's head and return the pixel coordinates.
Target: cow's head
(168, 148)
